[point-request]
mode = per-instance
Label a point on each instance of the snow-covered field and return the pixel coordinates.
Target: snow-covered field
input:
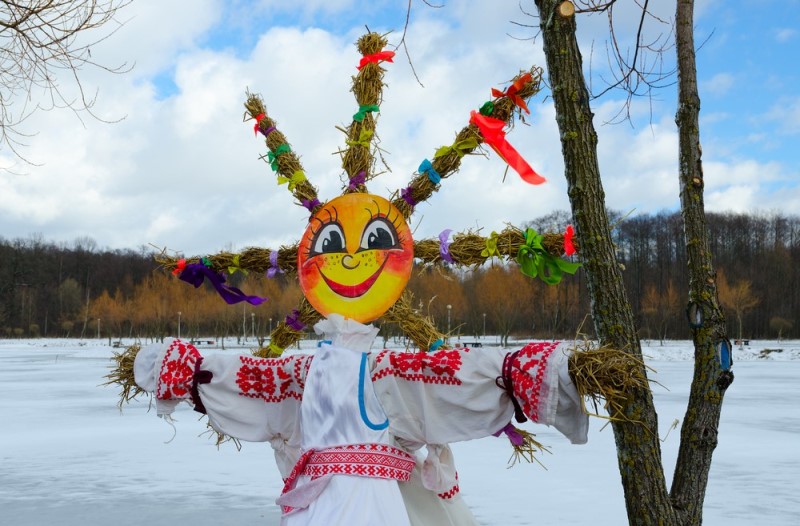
(69, 457)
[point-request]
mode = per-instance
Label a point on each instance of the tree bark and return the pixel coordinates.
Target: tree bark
(638, 447)
(700, 425)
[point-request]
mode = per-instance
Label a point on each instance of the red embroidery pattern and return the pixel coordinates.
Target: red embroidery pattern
(177, 371)
(452, 492)
(431, 368)
(272, 379)
(362, 460)
(527, 375)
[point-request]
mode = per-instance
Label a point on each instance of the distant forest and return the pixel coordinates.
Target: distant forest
(79, 290)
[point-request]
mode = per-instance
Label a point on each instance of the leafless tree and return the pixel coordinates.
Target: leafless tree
(45, 44)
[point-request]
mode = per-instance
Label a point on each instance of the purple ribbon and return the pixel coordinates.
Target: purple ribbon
(358, 179)
(195, 273)
(293, 321)
(267, 131)
(273, 269)
(405, 193)
(444, 245)
(513, 435)
(310, 204)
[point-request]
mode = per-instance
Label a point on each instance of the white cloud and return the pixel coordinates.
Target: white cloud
(183, 171)
(718, 85)
(785, 34)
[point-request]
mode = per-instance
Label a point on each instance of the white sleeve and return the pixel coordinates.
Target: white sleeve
(249, 398)
(462, 394)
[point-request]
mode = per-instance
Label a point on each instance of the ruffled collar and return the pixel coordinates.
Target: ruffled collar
(346, 333)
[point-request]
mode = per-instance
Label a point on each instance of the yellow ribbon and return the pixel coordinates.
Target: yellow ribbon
(491, 246)
(235, 266)
(275, 349)
(294, 180)
(459, 148)
(364, 137)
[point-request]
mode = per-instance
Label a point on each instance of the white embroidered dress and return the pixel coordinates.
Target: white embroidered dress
(343, 395)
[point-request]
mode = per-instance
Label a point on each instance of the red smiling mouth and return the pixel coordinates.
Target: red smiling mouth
(353, 291)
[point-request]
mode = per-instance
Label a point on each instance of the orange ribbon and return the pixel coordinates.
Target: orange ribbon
(380, 56)
(495, 136)
(513, 90)
(258, 122)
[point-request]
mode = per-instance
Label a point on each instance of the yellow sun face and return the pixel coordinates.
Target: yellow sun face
(355, 257)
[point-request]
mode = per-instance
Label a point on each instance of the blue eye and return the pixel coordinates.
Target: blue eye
(379, 234)
(330, 238)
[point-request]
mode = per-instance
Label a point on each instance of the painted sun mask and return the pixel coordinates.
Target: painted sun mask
(355, 257)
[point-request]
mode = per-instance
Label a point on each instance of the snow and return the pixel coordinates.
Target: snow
(68, 456)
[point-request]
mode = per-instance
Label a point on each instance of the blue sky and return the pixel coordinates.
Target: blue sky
(181, 170)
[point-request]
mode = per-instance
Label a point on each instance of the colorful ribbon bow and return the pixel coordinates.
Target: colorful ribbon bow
(513, 434)
(293, 320)
(363, 110)
(195, 273)
(274, 269)
(491, 246)
(459, 148)
(358, 179)
(512, 92)
(433, 175)
(179, 267)
(535, 261)
(234, 266)
(296, 178)
(444, 245)
(311, 204)
(272, 157)
(569, 245)
(363, 138)
(258, 122)
(407, 194)
(495, 136)
(380, 56)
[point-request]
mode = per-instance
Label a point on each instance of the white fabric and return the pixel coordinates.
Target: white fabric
(428, 399)
(339, 407)
(146, 367)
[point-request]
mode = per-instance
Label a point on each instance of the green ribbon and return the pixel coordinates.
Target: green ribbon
(535, 261)
(272, 156)
(459, 148)
(206, 262)
(364, 137)
(363, 110)
(275, 349)
(294, 180)
(234, 266)
(491, 246)
(487, 108)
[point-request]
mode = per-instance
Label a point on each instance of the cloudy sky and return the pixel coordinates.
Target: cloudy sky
(181, 170)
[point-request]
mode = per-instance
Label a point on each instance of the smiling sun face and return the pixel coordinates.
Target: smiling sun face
(355, 257)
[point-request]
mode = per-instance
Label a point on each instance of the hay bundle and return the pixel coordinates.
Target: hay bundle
(284, 335)
(122, 375)
(606, 376)
(288, 163)
(420, 329)
(252, 259)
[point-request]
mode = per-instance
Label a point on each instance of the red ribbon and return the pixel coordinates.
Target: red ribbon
(380, 56)
(512, 91)
(258, 122)
(495, 136)
(179, 267)
(569, 234)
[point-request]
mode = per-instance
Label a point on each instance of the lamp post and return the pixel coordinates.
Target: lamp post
(484, 325)
(270, 326)
(179, 325)
(449, 308)
(253, 325)
(98, 328)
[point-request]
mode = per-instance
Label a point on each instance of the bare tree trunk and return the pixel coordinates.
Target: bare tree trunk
(700, 425)
(638, 447)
